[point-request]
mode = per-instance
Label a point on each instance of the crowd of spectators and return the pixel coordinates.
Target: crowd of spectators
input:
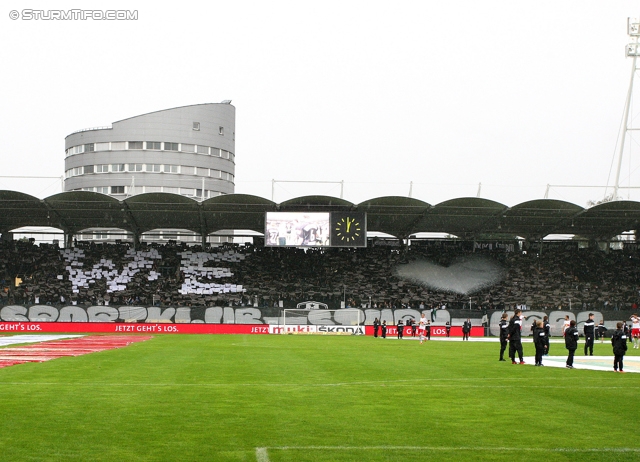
(179, 275)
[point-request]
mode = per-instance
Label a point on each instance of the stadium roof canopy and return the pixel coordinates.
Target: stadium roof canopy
(467, 217)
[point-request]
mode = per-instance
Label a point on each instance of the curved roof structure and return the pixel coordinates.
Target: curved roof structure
(467, 217)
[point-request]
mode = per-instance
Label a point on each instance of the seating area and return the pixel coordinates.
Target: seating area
(247, 275)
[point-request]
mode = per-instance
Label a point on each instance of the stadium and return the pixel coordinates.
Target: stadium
(100, 360)
(150, 312)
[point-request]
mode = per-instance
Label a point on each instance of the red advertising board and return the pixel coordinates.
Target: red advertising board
(189, 328)
(436, 331)
(132, 328)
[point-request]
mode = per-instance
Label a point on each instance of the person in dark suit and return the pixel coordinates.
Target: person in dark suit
(427, 330)
(504, 332)
(466, 329)
(619, 344)
(383, 329)
(540, 341)
(414, 327)
(515, 337)
(601, 330)
(447, 326)
(571, 336)
(400, 329)
(376, 326)
(589, 329)
(547, 330)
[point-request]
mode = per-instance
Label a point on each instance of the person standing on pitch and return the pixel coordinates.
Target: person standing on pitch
(547, 330)
(589, 330)
(427, 330)
(540, 341)
(466, 328)
(571, 336)
(635, 330)
(447, 327)
(601, 330)
(619, 343)
(515, 337)
(565, 325)
(376, 326)
(504, 332)
(383, 329)
(422, 327)
(400, 329)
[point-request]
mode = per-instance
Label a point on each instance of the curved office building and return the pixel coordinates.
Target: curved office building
(186, 150)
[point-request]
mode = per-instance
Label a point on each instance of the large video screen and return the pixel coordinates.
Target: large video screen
(297, 229)
(315, 229)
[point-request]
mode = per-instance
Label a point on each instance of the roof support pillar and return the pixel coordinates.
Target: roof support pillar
(68, 240)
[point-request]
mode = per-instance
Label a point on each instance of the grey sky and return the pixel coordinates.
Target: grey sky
(515, 95)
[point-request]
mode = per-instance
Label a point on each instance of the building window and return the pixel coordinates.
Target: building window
(221, 131)
(196, 126)
(153, 167)
(89, 147)
(135, 167)
(118, 145)
(117, 189)
(168, 189)
(188, 148)
(88, 169)
(117, 167)
(171, 169)
(203, 149)
(152, 189)
(154, 145)
(101, 146)
(187, 192)
(135, 144)
(215, 152)
(170, 146)
(103, 189)
(216, 173)
(187, 170)
(202, 171)
(77, 149)
(104, 168)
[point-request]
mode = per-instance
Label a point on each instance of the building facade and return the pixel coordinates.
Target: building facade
(187, 150)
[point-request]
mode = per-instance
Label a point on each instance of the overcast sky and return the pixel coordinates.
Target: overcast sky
(511, 94)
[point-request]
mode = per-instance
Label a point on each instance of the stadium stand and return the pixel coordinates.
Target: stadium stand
(247, 275)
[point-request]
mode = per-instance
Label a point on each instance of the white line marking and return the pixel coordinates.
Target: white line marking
(262, 455)
(454, 448)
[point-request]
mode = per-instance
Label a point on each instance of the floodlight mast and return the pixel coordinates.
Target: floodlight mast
(632, 50)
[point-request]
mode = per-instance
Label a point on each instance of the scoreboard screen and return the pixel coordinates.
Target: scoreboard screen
(315, 229)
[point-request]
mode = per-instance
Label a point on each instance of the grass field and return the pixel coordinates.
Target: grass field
(311, 398)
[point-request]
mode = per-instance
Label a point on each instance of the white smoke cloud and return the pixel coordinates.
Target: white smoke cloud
(464, 276)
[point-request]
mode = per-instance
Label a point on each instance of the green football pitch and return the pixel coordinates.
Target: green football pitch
(313, 398)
